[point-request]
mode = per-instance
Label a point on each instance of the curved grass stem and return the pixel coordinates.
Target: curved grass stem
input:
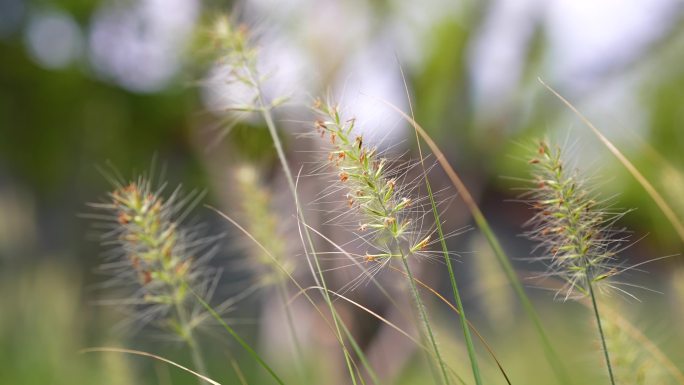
(265, 112)
(452, 277)
(319, 277)
(479, 218)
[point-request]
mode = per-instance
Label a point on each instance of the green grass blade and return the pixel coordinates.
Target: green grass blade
(457, 296)
(237, 338)
(493, 241)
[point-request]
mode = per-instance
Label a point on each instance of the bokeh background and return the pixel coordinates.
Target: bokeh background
(86, 84)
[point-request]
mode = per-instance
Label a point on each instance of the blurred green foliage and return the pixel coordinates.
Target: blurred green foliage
(57, 125)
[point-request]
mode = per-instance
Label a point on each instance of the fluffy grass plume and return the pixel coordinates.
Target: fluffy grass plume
(572, 226)
(389, 220)
(574, 230)
(160, 262)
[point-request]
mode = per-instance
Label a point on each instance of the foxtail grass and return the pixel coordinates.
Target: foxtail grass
(384, 205)
(502, 258)
(272, 269)
(638, 176)
(163, 261)
(157, 258)
(575, 232)
(240, 57)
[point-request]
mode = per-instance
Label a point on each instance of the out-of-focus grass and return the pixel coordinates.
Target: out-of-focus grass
(43, 325)
(42, 329)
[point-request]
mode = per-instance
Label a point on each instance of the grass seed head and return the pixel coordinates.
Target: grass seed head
(262, 222)
(153, 256)
(371, 188)
(573, 230)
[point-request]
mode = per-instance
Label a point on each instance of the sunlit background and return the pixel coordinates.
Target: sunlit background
(124, 84)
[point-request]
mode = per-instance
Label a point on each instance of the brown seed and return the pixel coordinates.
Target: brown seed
(147, 277)
(182, 267)
(344, 176)
(423, 244)
(124, 218)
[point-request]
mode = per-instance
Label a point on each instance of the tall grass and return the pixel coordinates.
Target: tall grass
(397, 222)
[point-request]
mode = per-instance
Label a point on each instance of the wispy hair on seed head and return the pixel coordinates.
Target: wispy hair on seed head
(154, 257)
(382, 203)
(573, 226)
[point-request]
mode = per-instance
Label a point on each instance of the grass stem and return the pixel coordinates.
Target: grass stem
(502, 258)
(457, 296)
(189, 338)
(424, 317)
(600, 329)
(237, 338)
(282, 291)
(268, 118)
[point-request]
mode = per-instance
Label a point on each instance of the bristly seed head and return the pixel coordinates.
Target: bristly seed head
(574, 232)
(371, 188)
(153, 255)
